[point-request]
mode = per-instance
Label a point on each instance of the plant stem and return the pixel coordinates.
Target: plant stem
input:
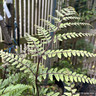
(53, 37)
(39, 59)
(36, 81)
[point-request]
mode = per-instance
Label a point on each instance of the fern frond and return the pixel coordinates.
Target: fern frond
(67, 53)
(66, 75)
(14, 90)
(57, 20)
(53, 94)
(71, 18)
(11, 80)
(22, 64)
(51, 27)
(35, 45)
(73, 24)
(71, 90)
(43, 34)
(59, 14)
(66, 36)
(68, 11)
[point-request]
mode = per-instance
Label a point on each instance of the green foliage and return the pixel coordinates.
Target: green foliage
(71, 91)
(84, 45)
(36, 72)
(14, 90)
(81, 7)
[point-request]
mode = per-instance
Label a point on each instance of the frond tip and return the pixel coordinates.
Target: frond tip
(66, 75)
(67, 53)
(66, 36)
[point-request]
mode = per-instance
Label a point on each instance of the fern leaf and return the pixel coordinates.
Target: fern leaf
(35, 44)
(20, 63)
(71, 18)
(66, 36)
(14, 90)
(43, 34)
(53, 94)
(51, 27)
(73, 24)
(68, 11)
(66, 75)
(68, 53)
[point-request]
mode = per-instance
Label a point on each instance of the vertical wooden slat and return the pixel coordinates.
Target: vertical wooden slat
(35, 14)
(17, 11)
(45, 11)
(29, 16)
(39, 11)
(48, 10)
(32, 17)
(25, 17)
(0, 35)
(1, 12)
(42, 13)
(20, 8)
(51, 9)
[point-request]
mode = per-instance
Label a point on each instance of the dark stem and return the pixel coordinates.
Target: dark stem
(36, 81)
(53, 37)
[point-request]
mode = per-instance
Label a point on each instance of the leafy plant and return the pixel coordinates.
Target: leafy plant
(37, 72)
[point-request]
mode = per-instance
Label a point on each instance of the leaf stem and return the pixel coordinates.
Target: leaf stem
(36, 80)
(52, 38)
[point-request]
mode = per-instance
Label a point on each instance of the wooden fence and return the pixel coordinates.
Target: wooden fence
(30, 12)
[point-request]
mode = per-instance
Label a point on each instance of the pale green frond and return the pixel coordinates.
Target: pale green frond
(51, 27)
(59, 13)
(68, 53)
(71, 18)
(73, 24)
(70, 87)
(34, 45)
(44, 34)
(24, 65)
(69, 11)
(67, 75)
(57, 20)
(66, 36)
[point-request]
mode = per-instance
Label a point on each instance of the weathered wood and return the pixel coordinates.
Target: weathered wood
(6, 35)
(10, 21)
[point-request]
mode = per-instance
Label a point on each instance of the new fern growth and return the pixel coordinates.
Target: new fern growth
(37, 73)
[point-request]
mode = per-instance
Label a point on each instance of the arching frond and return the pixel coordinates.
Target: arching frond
(71, 18)
(68, 11)
(35, 45)
(44, 34)
(51, 27)
(58, 20)
(11, 80)
(24, 65)
(64, 25)
(14, 90)
(71, 90)
(66, 75)
(66, 36)
(67, 53)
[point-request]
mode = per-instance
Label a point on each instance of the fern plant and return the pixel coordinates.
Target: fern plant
(37, 72)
